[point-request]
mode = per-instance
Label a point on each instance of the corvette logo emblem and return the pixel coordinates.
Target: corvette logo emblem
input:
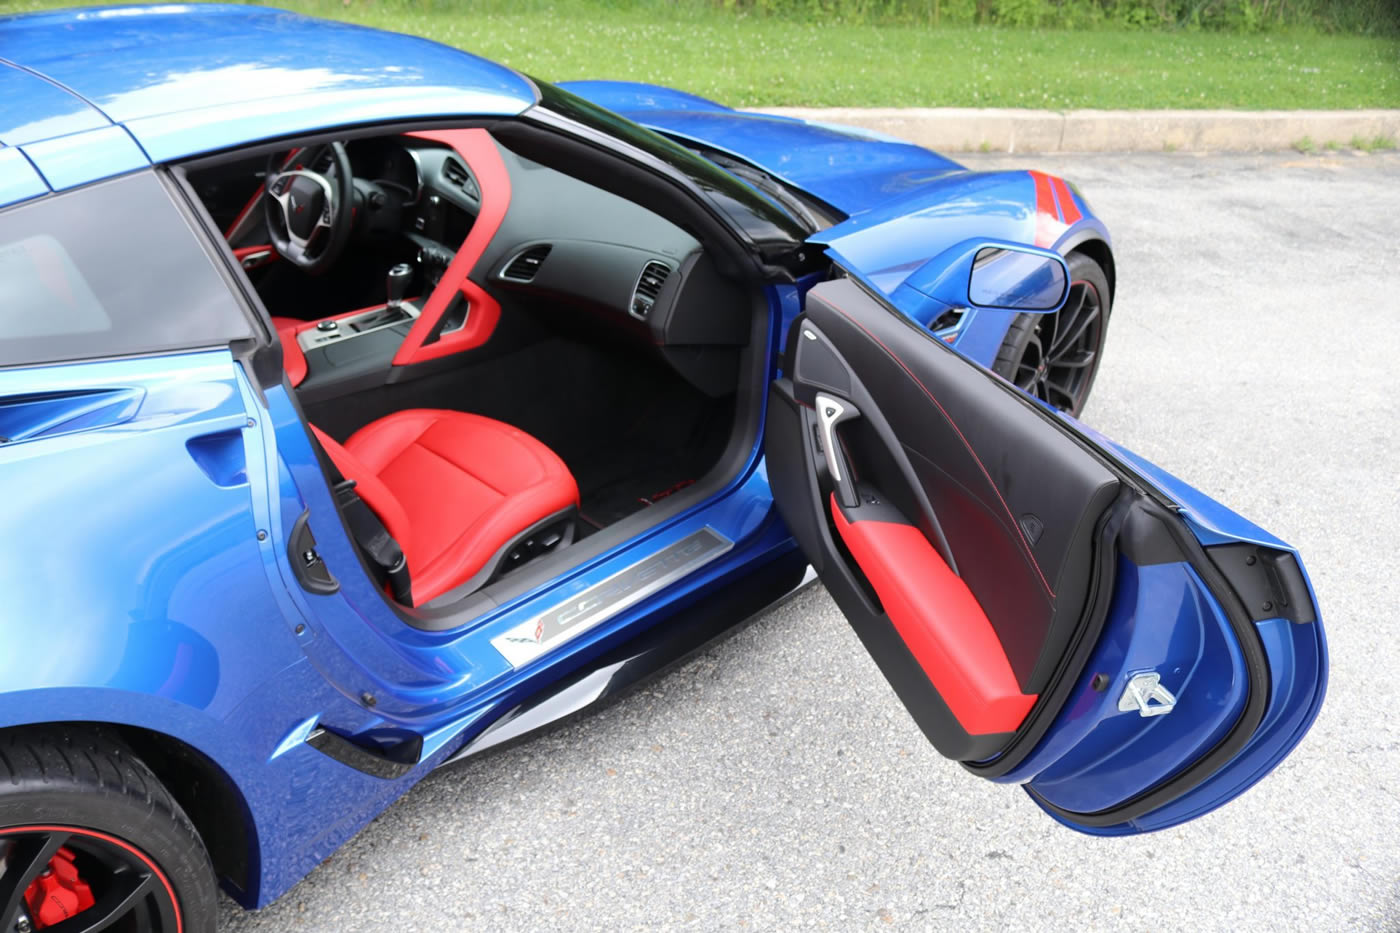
(528, 640)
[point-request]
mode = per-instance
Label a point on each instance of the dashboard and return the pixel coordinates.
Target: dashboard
(561, 246)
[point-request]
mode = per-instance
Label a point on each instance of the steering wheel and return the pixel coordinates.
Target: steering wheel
(308, 213)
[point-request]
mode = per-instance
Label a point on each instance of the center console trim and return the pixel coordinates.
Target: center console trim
(310, 338)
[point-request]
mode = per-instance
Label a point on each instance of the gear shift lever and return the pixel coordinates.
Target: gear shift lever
(396, 283)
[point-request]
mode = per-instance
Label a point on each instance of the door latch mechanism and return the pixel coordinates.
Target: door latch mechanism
(1146, 694)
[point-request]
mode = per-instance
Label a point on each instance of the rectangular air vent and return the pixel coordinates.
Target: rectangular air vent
(456, 174)
(648, 288)
(525, 264)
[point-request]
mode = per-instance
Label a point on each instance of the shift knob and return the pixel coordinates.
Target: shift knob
(396, 284)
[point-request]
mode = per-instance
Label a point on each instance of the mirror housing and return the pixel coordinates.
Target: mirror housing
(995, 275)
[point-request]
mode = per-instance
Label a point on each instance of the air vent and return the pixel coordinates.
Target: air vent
(525, 264)
(456, 174)
(649, 285)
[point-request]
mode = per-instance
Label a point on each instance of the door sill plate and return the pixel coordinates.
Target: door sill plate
(583, 611)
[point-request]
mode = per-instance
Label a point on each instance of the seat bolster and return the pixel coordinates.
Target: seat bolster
(375, 494)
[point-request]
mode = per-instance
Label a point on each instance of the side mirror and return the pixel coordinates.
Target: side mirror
(994, 275)
(1017, 280)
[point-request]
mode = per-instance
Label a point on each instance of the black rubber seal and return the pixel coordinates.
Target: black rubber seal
(1256, 668)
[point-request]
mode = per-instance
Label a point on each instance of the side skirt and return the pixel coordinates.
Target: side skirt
(649, 655)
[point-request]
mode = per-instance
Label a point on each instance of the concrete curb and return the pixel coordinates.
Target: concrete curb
(966, 130)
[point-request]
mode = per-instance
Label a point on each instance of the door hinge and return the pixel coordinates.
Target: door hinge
(1146, 694)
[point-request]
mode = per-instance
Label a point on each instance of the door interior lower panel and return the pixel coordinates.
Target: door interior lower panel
(936, 615)
(797, 473)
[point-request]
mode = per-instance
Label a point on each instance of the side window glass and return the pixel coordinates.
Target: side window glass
(112, 269)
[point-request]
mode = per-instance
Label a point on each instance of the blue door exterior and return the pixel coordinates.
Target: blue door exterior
(1203, 653)
(1166, 618)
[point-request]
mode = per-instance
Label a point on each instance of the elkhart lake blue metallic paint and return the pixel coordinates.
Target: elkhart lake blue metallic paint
(175, 489)
(1197, 655)
(1296, 653)
(230, 75)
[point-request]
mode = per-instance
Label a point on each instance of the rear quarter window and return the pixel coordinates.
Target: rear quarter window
(112, 269)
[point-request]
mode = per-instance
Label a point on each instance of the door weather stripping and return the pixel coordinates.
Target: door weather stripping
(1146, 694)
(567, 620)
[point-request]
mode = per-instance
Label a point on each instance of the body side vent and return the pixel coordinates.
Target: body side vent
(649, 285)
(526, 264)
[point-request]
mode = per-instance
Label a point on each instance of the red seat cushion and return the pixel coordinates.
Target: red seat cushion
(453, 489)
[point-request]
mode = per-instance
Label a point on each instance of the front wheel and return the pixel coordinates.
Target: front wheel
(1055, 357)
(90, 840)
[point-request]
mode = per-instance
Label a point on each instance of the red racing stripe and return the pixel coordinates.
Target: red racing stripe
(1068, 209)
(1047, 219)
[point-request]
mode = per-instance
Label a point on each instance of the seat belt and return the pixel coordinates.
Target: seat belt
(368, 532)
(374, 539)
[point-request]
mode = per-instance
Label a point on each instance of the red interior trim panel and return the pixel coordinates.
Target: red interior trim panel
(940, 620)
(478, 150)
(293, 360)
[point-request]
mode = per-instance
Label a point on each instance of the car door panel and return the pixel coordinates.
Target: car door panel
(1018, 503)
(1039, 604)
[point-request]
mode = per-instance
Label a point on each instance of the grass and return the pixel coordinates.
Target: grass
(1359, 143)
(752, 61)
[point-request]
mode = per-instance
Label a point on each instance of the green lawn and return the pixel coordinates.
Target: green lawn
(758, 61)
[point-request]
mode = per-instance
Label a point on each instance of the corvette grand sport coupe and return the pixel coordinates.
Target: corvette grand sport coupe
(365, 405)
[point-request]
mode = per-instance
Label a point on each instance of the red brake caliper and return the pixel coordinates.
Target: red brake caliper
(58, 893)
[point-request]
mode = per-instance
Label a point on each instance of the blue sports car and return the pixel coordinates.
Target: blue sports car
(365, 405)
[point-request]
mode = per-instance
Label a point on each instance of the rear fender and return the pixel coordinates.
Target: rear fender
(298, 804)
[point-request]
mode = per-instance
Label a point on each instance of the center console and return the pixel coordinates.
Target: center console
(396, 311)
(355, 351)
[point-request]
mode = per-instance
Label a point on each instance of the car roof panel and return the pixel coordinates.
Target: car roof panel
(19, 180)
(76, 159)
(136, 64)
(36, 109)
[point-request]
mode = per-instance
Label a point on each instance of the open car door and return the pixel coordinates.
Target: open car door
(1052, 610)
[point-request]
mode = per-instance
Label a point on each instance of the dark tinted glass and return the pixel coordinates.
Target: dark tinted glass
(763, 221)
(108, 270)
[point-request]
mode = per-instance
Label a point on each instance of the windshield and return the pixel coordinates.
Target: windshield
(762, 220)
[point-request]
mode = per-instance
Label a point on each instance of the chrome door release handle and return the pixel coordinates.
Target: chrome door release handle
(831, 412)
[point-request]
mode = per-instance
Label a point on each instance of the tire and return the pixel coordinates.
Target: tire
(1064, 380)
(134, 853)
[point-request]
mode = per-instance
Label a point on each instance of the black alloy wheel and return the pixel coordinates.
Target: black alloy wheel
(80, 881)
(90, 840)
(1055, 357)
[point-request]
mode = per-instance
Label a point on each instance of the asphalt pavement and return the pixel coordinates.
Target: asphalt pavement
(776, 782)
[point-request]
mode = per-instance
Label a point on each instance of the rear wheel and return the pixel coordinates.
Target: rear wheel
(90, 840)
(1055, 357)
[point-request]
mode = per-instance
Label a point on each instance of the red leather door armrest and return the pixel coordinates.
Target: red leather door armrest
(940, 620)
